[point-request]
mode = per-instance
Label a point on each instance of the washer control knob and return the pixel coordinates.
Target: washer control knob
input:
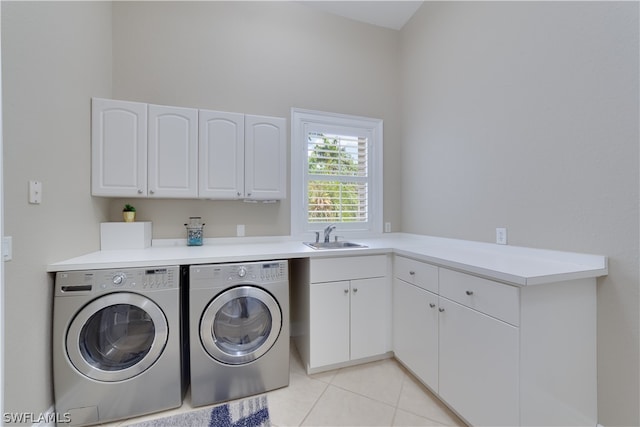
(242, 271)
(119, 279)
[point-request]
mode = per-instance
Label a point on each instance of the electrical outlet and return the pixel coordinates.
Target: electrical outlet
(387, 227)
(240, 230)
(501, 236)
(35, 192)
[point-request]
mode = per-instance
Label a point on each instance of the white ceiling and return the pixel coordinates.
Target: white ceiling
(389, 14)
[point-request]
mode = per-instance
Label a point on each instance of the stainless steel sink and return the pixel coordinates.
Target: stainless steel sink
(334, 245)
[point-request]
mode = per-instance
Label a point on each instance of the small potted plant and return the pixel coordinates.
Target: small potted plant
(129, 213)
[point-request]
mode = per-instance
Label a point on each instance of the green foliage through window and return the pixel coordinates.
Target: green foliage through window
(337, 178)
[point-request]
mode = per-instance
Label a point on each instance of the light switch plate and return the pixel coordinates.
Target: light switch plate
(7, 248)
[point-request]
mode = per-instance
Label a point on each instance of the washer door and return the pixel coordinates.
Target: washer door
(116, 337)
(240, 325)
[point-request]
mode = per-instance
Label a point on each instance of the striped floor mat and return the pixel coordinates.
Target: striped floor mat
(251, 412)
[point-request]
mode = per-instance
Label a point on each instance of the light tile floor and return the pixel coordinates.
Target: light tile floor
(379, 393)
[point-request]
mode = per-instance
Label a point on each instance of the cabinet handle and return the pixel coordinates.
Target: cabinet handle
(469, 292)
(355, 290)
(441, 310)
(432, 305)
(412, 273)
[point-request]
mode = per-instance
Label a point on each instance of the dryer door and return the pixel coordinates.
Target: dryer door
(116, 336)
(240, 325)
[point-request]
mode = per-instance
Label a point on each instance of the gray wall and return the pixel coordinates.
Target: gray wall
(515, 115)
(256, 58)
(54, 57)
(259, 58)
(525, 115)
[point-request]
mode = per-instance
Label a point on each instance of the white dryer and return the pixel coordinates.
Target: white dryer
(238, 330)
(117, 343)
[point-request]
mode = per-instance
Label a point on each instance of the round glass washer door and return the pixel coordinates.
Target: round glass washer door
(240, 325)
(116, 337)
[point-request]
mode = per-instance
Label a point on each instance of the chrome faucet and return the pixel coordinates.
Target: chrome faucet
(327, 232)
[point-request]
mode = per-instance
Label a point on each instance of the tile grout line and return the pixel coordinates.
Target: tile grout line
(395, 411)
(316, 401)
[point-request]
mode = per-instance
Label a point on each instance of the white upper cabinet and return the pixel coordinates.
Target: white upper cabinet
(221, 165)
(265, 158)
(141, 150)
(173, 152)
(242, 156)
(119, 148)
(144, 150)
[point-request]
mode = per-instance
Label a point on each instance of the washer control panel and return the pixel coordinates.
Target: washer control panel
(152, 278)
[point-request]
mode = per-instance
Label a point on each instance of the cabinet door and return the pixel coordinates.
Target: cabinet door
(221, 154)
(478, 365)
(329, 323)
(173, 152)
(415, 330)
(370, 317)
(118, 148)
(265, 158)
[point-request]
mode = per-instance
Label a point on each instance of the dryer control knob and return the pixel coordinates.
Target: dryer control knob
(119, 279)
(242, 272)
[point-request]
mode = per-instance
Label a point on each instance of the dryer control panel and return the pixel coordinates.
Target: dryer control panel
(97, 281)
(254, 272)
(263, 272)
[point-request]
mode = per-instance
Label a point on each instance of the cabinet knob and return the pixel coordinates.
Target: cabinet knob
(432, 305)
(355, 290)
(239, 194)
(152, 192)
(441, 310)
(139, 191)
(346, 291)
(248, 194)
(469, 292)
(412, 273)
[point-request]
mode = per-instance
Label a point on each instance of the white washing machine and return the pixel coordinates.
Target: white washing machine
(117, 343)
(238, 330)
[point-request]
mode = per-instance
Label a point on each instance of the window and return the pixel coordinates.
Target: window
(336, 172)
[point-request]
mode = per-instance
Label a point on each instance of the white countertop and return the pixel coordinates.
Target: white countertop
(511, 264)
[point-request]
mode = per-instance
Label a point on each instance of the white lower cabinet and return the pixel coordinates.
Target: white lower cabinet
(329, 322)
(370, 317)
(346, 320)
(415, 330)
(478, 365)
(498, 354)
(350, 319)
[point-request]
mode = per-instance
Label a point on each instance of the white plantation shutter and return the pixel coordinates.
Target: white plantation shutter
(336, 172)
(337, 178)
